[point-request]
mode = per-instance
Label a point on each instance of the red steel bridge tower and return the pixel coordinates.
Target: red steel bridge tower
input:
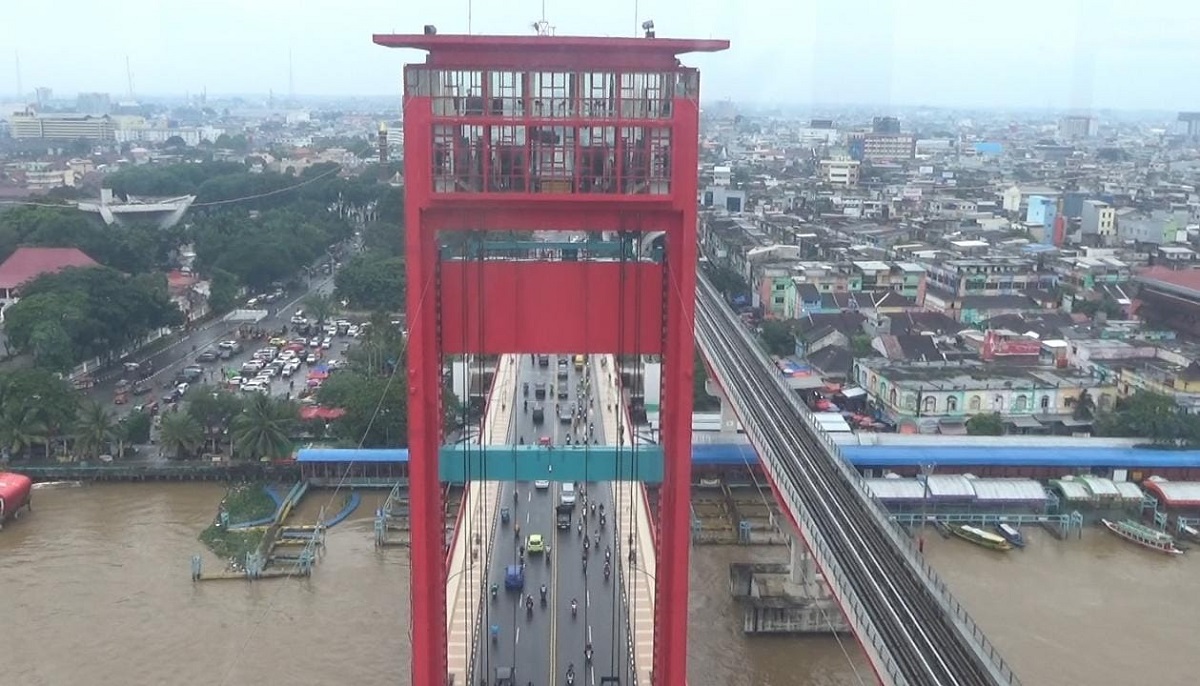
(506, 134)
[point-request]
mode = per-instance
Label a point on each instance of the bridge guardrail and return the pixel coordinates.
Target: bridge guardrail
(938, 588)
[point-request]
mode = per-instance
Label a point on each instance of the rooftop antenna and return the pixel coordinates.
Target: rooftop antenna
(543, 27)
(129, 77)
(20, 88)
(636, 14)
(470, 8)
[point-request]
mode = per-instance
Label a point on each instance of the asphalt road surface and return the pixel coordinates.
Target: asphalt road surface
(540, 645)
(170, 361)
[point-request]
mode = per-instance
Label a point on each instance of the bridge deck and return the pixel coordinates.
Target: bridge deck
(468, 562)
(632, 514)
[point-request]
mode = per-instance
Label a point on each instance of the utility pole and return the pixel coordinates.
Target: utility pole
(129, 77)
(926, 472)
(20, 88)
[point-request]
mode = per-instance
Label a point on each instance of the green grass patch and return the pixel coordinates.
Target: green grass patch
(247, 502)
(243, 503)
(231, 544)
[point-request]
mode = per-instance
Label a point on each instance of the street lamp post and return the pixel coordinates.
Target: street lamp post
(926, 471)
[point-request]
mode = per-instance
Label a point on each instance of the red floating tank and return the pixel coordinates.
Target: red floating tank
(15, 490)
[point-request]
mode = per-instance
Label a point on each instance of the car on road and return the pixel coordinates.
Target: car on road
(207, 356)
(539, 414)
(544, 440)
(541, 484)
(567, 495)
(504, 677)
(535, 544)
(543, 360)
(514, 577)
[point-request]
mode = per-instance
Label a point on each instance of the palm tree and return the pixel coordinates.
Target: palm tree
(181, 433)
(21, 430)
(93, 429)
(1085, 407)
(264, 429)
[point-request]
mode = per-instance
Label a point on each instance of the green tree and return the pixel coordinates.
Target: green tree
(320, 307)
(989, 424)
(701, 400)
(214, 409)
(93, 429)
(222, 291)
(180, 434)
(100, 311)
(264, 428)
(777, 337)
(376, 408)
(36, 408)
(1085, 406)
(136, 427)
(860, 346)
(372, 281)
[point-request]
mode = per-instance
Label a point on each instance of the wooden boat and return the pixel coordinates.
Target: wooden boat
(1011, 534)
(1144, 536)
(981, 538)
(942, 528)
(1190, 533)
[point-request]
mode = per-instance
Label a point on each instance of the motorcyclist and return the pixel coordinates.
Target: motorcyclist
(495, 633)
(526, 405)
(574, 606)
(495, 590)
(543, 593)
(587, 652)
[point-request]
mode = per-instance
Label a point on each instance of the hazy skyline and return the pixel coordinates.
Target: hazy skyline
(1078, 54)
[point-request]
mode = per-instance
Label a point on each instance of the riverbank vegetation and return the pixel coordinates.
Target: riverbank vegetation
(242, 503)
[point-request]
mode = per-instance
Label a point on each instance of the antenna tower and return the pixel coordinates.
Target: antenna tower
(291, 79)
(129, 77)
(20, 88)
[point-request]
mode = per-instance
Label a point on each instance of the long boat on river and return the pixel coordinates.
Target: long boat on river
(1144, 536)
(981, 538)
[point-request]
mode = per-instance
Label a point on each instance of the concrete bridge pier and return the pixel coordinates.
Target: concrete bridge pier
(788, 598)
(729, 420)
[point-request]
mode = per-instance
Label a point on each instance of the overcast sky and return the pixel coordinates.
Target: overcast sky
(1130, 54)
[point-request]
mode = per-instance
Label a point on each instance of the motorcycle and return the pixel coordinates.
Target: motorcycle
(543, 595)
(570, 674)
(607, 571)
(529, 606)
(495, 634)
(603, 520)
(495, 589)
(587, 654)
(574, 607)
(597, 539)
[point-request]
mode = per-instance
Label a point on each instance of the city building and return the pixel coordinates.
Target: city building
(940, 396)
(1041, 210)
(889, 125)
(95, 104)
(1076, 126)
(1098, 223)
(840, 172)
(61, 126)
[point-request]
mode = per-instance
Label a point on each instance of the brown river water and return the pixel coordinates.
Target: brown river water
(97, 591)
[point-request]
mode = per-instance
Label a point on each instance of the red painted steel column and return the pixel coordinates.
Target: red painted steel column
(674, 546)
(427, 580)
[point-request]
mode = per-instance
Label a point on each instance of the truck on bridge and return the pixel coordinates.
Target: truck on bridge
(562, 515)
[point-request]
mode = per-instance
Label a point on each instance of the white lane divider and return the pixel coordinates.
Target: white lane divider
(518, 637)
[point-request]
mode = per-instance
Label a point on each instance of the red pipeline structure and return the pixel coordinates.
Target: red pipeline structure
(549, 133)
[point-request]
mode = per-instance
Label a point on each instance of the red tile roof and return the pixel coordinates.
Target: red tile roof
(29, 263)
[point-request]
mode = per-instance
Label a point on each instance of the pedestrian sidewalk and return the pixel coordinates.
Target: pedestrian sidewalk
(467, 570)
(637, 574)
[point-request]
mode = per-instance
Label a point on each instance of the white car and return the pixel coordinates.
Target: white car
(541, 484)
(327, 343)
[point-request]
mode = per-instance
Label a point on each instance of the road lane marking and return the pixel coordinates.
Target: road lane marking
(518, 637)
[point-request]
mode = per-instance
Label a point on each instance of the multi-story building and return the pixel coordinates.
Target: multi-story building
(906, 278)
(1076, 126)
(1098, 222)
(987, 276)
(879, 146)
(889, 125)
(1041, 210)
(61, 126)
(940, 396)
(1086, 273)
(840, 172)
(98, 104)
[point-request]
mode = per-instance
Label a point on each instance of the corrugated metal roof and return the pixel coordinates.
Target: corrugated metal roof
(1099, 486)
(1177, 493)
(1009, 490)
(1072, 489)
(896, 489)
(1128, 490)
(950, 486)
